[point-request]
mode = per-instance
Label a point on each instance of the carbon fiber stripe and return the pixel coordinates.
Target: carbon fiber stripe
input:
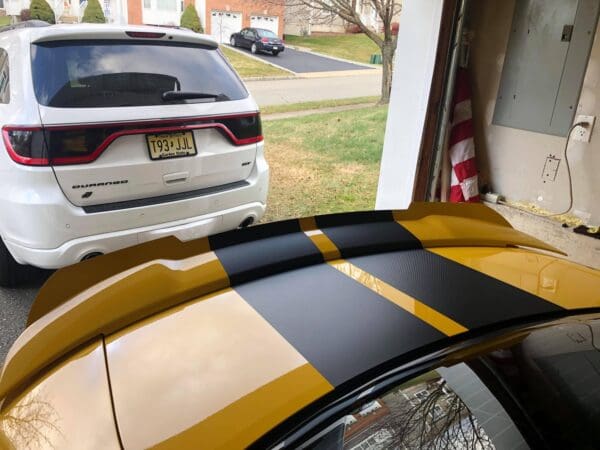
(324, 315)
(366, 232)
(257, 252)
(463, 294)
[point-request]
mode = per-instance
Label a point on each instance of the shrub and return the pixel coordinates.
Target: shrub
(41, 10)
(190, 19)
(93, 13)
(25, 15)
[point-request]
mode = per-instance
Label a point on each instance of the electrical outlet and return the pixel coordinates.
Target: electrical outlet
(584, 134)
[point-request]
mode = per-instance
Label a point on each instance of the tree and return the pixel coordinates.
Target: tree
(41, 10)
(349, 10)
(190, 19)
(93, 13)
(25, 15)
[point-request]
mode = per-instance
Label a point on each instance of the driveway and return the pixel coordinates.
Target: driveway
(305, 62)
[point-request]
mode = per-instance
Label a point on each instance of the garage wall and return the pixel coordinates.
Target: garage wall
(248, 8)
(511, 161)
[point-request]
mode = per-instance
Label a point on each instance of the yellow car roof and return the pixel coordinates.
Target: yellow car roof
(330, 297)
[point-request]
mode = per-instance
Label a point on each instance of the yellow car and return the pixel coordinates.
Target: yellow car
(435, 327)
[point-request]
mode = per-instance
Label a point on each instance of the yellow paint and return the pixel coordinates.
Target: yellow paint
(404, 301)
(69, 281)
(68, 408)
(561, 282)
(249, 418)
(321, 241)
(330, 253)
(463, 225)
(196, 359)
(153, 287)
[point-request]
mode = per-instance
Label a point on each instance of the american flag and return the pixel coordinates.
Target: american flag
(463, 181)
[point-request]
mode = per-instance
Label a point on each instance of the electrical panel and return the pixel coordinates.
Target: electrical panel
(545, 63)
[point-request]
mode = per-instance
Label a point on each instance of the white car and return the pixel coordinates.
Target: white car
(116, 135)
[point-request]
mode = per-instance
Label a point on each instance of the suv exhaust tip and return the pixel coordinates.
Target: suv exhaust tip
(91, 255)
(247, 222)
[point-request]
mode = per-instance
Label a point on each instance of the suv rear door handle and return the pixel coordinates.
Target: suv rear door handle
(175, 178)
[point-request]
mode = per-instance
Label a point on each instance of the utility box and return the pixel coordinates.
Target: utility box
(546, 59)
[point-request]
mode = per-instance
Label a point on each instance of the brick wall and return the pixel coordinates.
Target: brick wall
(247, 8)
(134, 12)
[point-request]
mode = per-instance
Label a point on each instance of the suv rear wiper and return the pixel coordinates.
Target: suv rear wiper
(184, 95)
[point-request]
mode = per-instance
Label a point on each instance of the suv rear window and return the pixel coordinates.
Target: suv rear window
(88, 74)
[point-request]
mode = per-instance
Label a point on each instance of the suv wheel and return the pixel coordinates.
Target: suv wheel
(254, 49)
(232, 41)
(9, 268)
(275, 53)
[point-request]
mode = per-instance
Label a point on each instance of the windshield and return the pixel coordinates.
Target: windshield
(72, 74)
(266, 33)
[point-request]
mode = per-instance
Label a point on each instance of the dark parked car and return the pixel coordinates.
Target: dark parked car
(258, 40)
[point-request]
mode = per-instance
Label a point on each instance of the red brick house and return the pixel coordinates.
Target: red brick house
(219, 18)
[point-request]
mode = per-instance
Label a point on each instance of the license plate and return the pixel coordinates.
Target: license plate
(275, 48)
(171, 145)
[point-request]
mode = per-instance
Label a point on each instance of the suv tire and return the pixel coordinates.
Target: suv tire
(254, 49)
(9, 268)
(275, 53)
(232, 42)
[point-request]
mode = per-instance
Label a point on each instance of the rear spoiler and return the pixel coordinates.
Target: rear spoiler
(429, 224)
(105, 294)
(130, 32)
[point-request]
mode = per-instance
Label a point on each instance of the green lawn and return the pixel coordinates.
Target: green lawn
(4, 20)
(324, 162)
(249, 67)
(355, 47)
(288, 107)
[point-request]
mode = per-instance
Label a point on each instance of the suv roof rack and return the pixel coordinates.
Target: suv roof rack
(25, 24)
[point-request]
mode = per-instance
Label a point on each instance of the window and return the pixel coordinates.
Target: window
(166, 5)
(147, 4)
(68, 74)
(540, 389)
(1, 4)
(4, 77)
(439, 419)
(266, 33)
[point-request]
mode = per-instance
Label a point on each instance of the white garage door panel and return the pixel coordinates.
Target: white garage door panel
(266, 22)
(223, 24)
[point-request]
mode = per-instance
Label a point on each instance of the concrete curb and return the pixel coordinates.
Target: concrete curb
(273, 78)
(250, 55)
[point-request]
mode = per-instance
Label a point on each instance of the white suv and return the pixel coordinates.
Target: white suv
(116, 135)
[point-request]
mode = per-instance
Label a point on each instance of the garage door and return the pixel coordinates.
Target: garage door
(223, 24)
(265, 22)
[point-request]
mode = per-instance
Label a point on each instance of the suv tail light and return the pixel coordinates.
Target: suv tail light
(81, 144)
(26, 145)
(265, 40)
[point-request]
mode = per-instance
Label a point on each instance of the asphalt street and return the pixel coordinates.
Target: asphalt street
(305, 62)
(15, 305)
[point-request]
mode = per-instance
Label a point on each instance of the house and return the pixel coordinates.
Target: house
(220, 18)
(300, 20)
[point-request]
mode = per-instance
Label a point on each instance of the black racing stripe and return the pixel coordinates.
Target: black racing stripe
(467, 296)
(267, 230)
(342, 328)
(261, 251)
(366, 232)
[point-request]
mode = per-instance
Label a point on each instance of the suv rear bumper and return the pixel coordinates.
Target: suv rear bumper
(45, 230)
(75, 250)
